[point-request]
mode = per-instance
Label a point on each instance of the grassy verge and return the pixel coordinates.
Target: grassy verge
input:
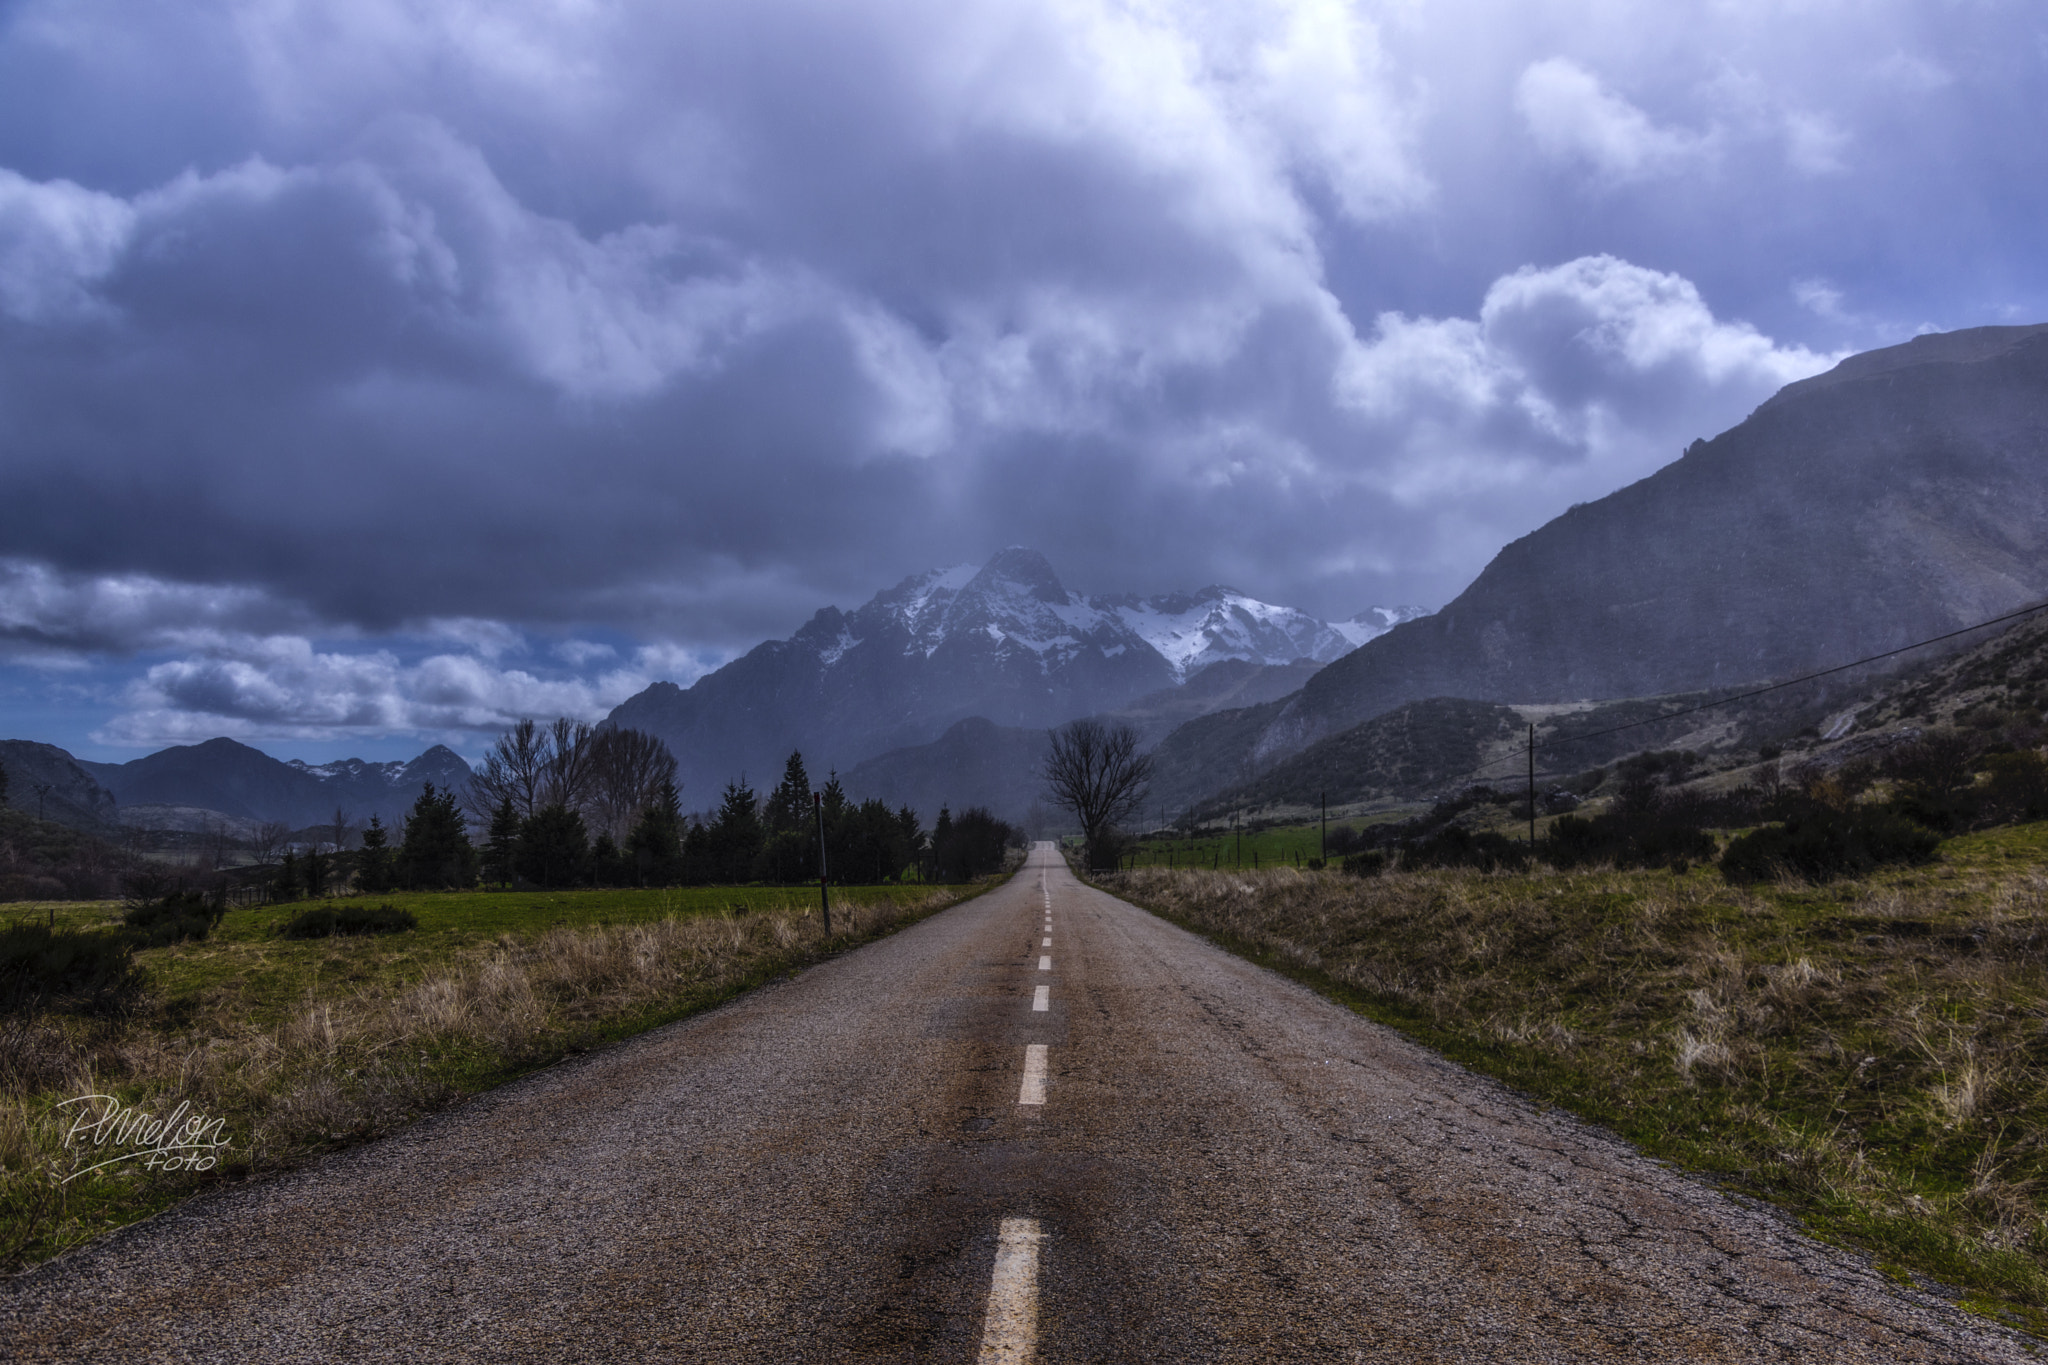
(1871, 1055)
(301, 1046)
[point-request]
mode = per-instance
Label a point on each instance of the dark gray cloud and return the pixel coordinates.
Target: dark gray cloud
(321, 325)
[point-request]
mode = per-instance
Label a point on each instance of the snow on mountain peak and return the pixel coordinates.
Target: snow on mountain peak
(1016, 599)
(1374, 622)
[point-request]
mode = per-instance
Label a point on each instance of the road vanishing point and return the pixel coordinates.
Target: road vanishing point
(1043, 1125)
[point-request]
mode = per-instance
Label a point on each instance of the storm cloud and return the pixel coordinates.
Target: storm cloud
(391, 368)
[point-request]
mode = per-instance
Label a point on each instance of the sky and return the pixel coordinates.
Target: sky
(375, 373)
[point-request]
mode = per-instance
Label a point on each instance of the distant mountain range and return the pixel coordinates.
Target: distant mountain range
(1005, 642)
(190, 785)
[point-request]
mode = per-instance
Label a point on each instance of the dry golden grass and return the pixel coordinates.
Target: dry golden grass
(348, 1062)
(1872, 1054)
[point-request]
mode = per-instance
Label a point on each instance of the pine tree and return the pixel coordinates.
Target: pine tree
(373, 864)
(313, 872)
(735, 834)
(554, 848)
(654, 849)
(789, 805)
(436, 851)
(941, 847)
(501, 844)
(607, 865)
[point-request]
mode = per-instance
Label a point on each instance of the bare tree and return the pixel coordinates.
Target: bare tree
(569, 767)
(340, 828)
(1096, 772)
(214, 842)
(269, 840)
(515, 770)
(626, 771)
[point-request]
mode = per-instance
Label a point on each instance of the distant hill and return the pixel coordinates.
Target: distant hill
(1902, 494)
(975, 763)
(236, 780)
(45, 781)
(1005, 641)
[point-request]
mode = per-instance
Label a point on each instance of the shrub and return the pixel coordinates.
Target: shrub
(1822, 843)
(1367, 864)
(327, 921)
(42, 967)
(1456, 846)
(1575, 841)
(174, 918)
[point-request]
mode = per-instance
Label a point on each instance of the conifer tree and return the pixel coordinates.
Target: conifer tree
(654, 849)
(789, 805)
(373, 864)
(436, 851)
(554, 848)
(313, 872)
(501, 843)
(735, 834)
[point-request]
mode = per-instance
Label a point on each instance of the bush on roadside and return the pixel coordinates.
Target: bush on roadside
(174, 918)
(1821, 844)
(328, 921)
(45, 968)
(1575, 841)
(1455, 846)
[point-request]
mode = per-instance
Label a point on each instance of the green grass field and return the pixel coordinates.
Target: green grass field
(244, 966)
(1280, 846)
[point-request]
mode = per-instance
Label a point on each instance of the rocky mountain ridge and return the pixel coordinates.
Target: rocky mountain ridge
(1005, 641)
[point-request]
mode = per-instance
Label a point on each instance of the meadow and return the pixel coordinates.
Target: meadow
(299, 1046)
(1251, 849)
(1871, 1054)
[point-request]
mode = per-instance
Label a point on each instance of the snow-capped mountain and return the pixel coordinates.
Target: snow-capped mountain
(1004, 640)
(1016, 597)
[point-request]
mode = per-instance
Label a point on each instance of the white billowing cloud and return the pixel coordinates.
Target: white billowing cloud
(1572, 116)
(57, 241)
(1321, 85)
(284, 686)
(1592, 364)
(57, 617)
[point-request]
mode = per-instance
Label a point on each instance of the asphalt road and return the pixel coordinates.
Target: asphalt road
(1218, 1166)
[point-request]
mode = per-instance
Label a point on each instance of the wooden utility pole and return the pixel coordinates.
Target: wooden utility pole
(1532, 791)
(1323, 854)
(824, 895)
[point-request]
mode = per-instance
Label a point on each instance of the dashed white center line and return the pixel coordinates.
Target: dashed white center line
(1045, 964)
(1041, 999)
(1009, 1336)
(1047, 943)
(1033, 1089)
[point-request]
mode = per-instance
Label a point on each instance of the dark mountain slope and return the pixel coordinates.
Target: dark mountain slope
(975, 763)
(49, 783)
(1902, 494)
(234, 779)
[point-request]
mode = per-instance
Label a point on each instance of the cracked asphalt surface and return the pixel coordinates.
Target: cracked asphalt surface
(1226, 1168)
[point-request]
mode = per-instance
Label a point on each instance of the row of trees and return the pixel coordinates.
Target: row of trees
(553, 807)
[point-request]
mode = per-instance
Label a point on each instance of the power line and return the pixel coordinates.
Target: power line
(1755, 692)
